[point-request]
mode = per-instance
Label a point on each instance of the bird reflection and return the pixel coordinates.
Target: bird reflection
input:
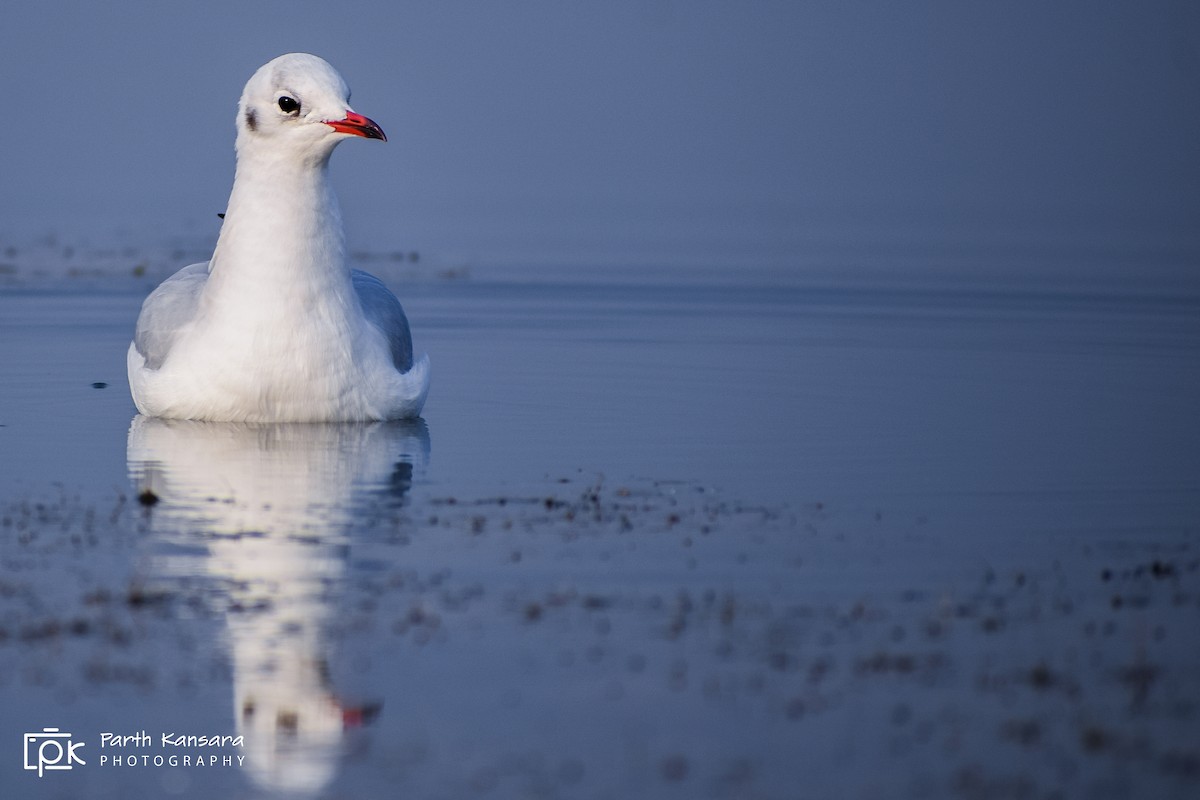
(263, 515)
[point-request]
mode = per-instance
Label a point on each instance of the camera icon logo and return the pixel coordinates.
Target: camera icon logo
(51, 749)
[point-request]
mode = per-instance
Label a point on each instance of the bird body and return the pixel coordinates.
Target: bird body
(276, 327)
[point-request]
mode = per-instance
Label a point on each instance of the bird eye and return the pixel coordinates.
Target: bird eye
(289, 105)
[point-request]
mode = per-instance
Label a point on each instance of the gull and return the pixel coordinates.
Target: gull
(275, 327)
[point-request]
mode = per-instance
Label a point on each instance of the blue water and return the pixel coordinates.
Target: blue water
(661, 532)
(772, 387)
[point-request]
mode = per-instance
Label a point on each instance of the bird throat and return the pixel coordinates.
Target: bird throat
(282, 233)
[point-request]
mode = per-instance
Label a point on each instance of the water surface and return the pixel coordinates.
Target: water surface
(660, 533)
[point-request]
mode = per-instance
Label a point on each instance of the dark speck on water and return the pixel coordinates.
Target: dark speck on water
(99, 385)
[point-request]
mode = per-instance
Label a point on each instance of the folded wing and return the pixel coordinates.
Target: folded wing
(168, 308)
(384, 311)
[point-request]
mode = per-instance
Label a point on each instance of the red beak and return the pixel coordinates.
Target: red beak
(360, 715)
(357, 125)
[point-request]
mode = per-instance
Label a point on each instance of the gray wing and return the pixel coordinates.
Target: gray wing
(383, 310)
(168, 308)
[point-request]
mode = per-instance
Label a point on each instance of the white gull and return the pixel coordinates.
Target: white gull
(275, 327)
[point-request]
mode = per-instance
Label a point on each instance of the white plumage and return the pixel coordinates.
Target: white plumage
(275, 327)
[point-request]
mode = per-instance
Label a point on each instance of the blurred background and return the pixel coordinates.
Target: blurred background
(904, 135)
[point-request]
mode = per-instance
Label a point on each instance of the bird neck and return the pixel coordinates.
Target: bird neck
(282, 230)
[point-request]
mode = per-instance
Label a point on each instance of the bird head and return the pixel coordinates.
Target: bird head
(299, 103)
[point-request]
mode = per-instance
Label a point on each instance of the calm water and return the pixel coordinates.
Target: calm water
(646, 512)
(774, 389)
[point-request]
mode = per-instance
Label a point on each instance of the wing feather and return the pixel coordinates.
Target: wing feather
(168, 308)
(384, 311)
